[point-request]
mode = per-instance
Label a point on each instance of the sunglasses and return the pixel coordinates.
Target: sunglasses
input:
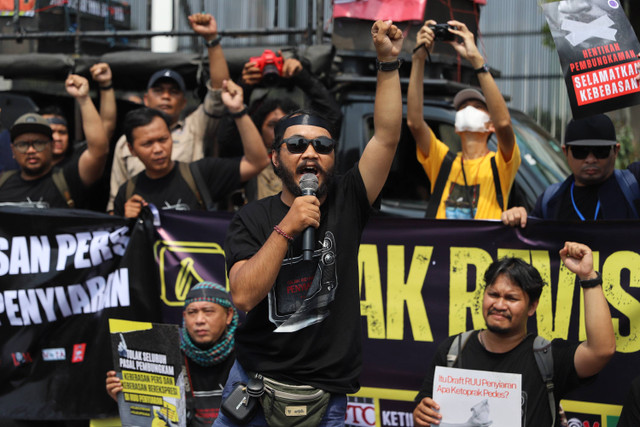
(38, 145)
(298, 144)
(581, 152)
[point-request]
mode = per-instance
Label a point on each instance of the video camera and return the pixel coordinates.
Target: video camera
(441, 32)
(270, 65)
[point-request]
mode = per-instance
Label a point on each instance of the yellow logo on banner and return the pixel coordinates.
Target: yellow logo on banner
(173, 291)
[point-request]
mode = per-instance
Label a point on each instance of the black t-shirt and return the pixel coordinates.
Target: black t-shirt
(307, 331)
(586, 202)
(171, 192)
(630, 415)
(42, 192)
(520, 360)
(204, 390)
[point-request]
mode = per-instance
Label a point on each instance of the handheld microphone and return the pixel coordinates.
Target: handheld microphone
(309, 186)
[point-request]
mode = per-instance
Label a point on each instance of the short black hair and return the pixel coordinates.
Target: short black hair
(141, 117)
(52, 110)
(519, 272)
(259, 115)
(279, 132)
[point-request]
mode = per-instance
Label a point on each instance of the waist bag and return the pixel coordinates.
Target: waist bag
(293, 405)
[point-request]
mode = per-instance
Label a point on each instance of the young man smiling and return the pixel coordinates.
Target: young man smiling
(511, 296)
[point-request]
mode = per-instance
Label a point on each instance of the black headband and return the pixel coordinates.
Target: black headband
(302, 119)
(55, 120)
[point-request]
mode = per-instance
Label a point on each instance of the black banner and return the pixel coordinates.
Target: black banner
(420, 282)
(63, 273)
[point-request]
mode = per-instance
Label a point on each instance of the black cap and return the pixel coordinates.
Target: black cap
(30, 123)
(593, 131)
(167, 74)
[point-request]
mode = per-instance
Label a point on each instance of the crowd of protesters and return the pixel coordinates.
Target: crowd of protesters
(175, 163)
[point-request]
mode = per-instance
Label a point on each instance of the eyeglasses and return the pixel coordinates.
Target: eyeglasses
(38, 145)
(298, 144)
(581, 152)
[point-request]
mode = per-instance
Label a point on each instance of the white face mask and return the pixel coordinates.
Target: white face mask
(471, 119)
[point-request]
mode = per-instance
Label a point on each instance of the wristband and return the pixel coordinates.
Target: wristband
(591, 283)
(282, 233)
(483, 69)
(213, 42)
(110, 86)
(388, 66)
(239, 113)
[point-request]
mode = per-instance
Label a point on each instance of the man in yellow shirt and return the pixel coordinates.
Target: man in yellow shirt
(468, 190)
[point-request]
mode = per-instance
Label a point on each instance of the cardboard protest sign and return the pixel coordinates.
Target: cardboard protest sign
(148, 361)
(598, 54)
(471, 397)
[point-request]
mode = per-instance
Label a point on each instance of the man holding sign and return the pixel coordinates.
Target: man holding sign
(511, 296)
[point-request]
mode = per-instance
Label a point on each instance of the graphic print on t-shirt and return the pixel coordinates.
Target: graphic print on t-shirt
(28, 203)
(304, 289)
(457, 204)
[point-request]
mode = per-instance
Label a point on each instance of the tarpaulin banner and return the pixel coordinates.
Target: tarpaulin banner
(598, 53)
(62, 274)
(405, 10)
(421, 281)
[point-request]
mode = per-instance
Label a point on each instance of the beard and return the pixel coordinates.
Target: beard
(36, 172)
(294, 187)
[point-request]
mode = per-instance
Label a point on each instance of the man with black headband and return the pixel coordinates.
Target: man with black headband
(302, 330)
(207, 341)
(37, 183)
(595, 190)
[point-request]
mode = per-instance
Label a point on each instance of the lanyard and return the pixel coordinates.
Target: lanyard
(578, 210)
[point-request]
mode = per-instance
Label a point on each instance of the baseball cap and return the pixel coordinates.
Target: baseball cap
(167, 74)
(466, 95)
(593, 131)
(30, 123)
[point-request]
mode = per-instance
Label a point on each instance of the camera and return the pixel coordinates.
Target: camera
(441, 32)
(270, 65)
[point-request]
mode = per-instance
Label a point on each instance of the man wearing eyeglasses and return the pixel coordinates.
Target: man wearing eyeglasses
(595, 190)
(37, 184)
(302, 329)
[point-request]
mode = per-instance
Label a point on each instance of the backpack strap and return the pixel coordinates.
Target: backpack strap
(438, 188)
(549, 192)
(456, 347)
(496, 183)
(61, 184)
(131, 187)
(201, 190)
(629, 186)
(544, 359)
(4, 176)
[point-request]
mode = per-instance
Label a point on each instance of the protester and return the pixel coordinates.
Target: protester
(37, 184)
(173, 185)
(511, 295)
(63, 148)
(476, 182)
(595, 190)
(275, 103)
(207, 342)
(302, 329)
(166, 92)
(630, 415)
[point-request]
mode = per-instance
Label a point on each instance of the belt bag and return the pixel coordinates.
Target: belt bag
(293, 405)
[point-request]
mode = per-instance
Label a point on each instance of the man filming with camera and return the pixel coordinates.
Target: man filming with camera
(476, 182)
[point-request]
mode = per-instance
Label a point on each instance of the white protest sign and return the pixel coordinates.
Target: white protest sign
(478, 398)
